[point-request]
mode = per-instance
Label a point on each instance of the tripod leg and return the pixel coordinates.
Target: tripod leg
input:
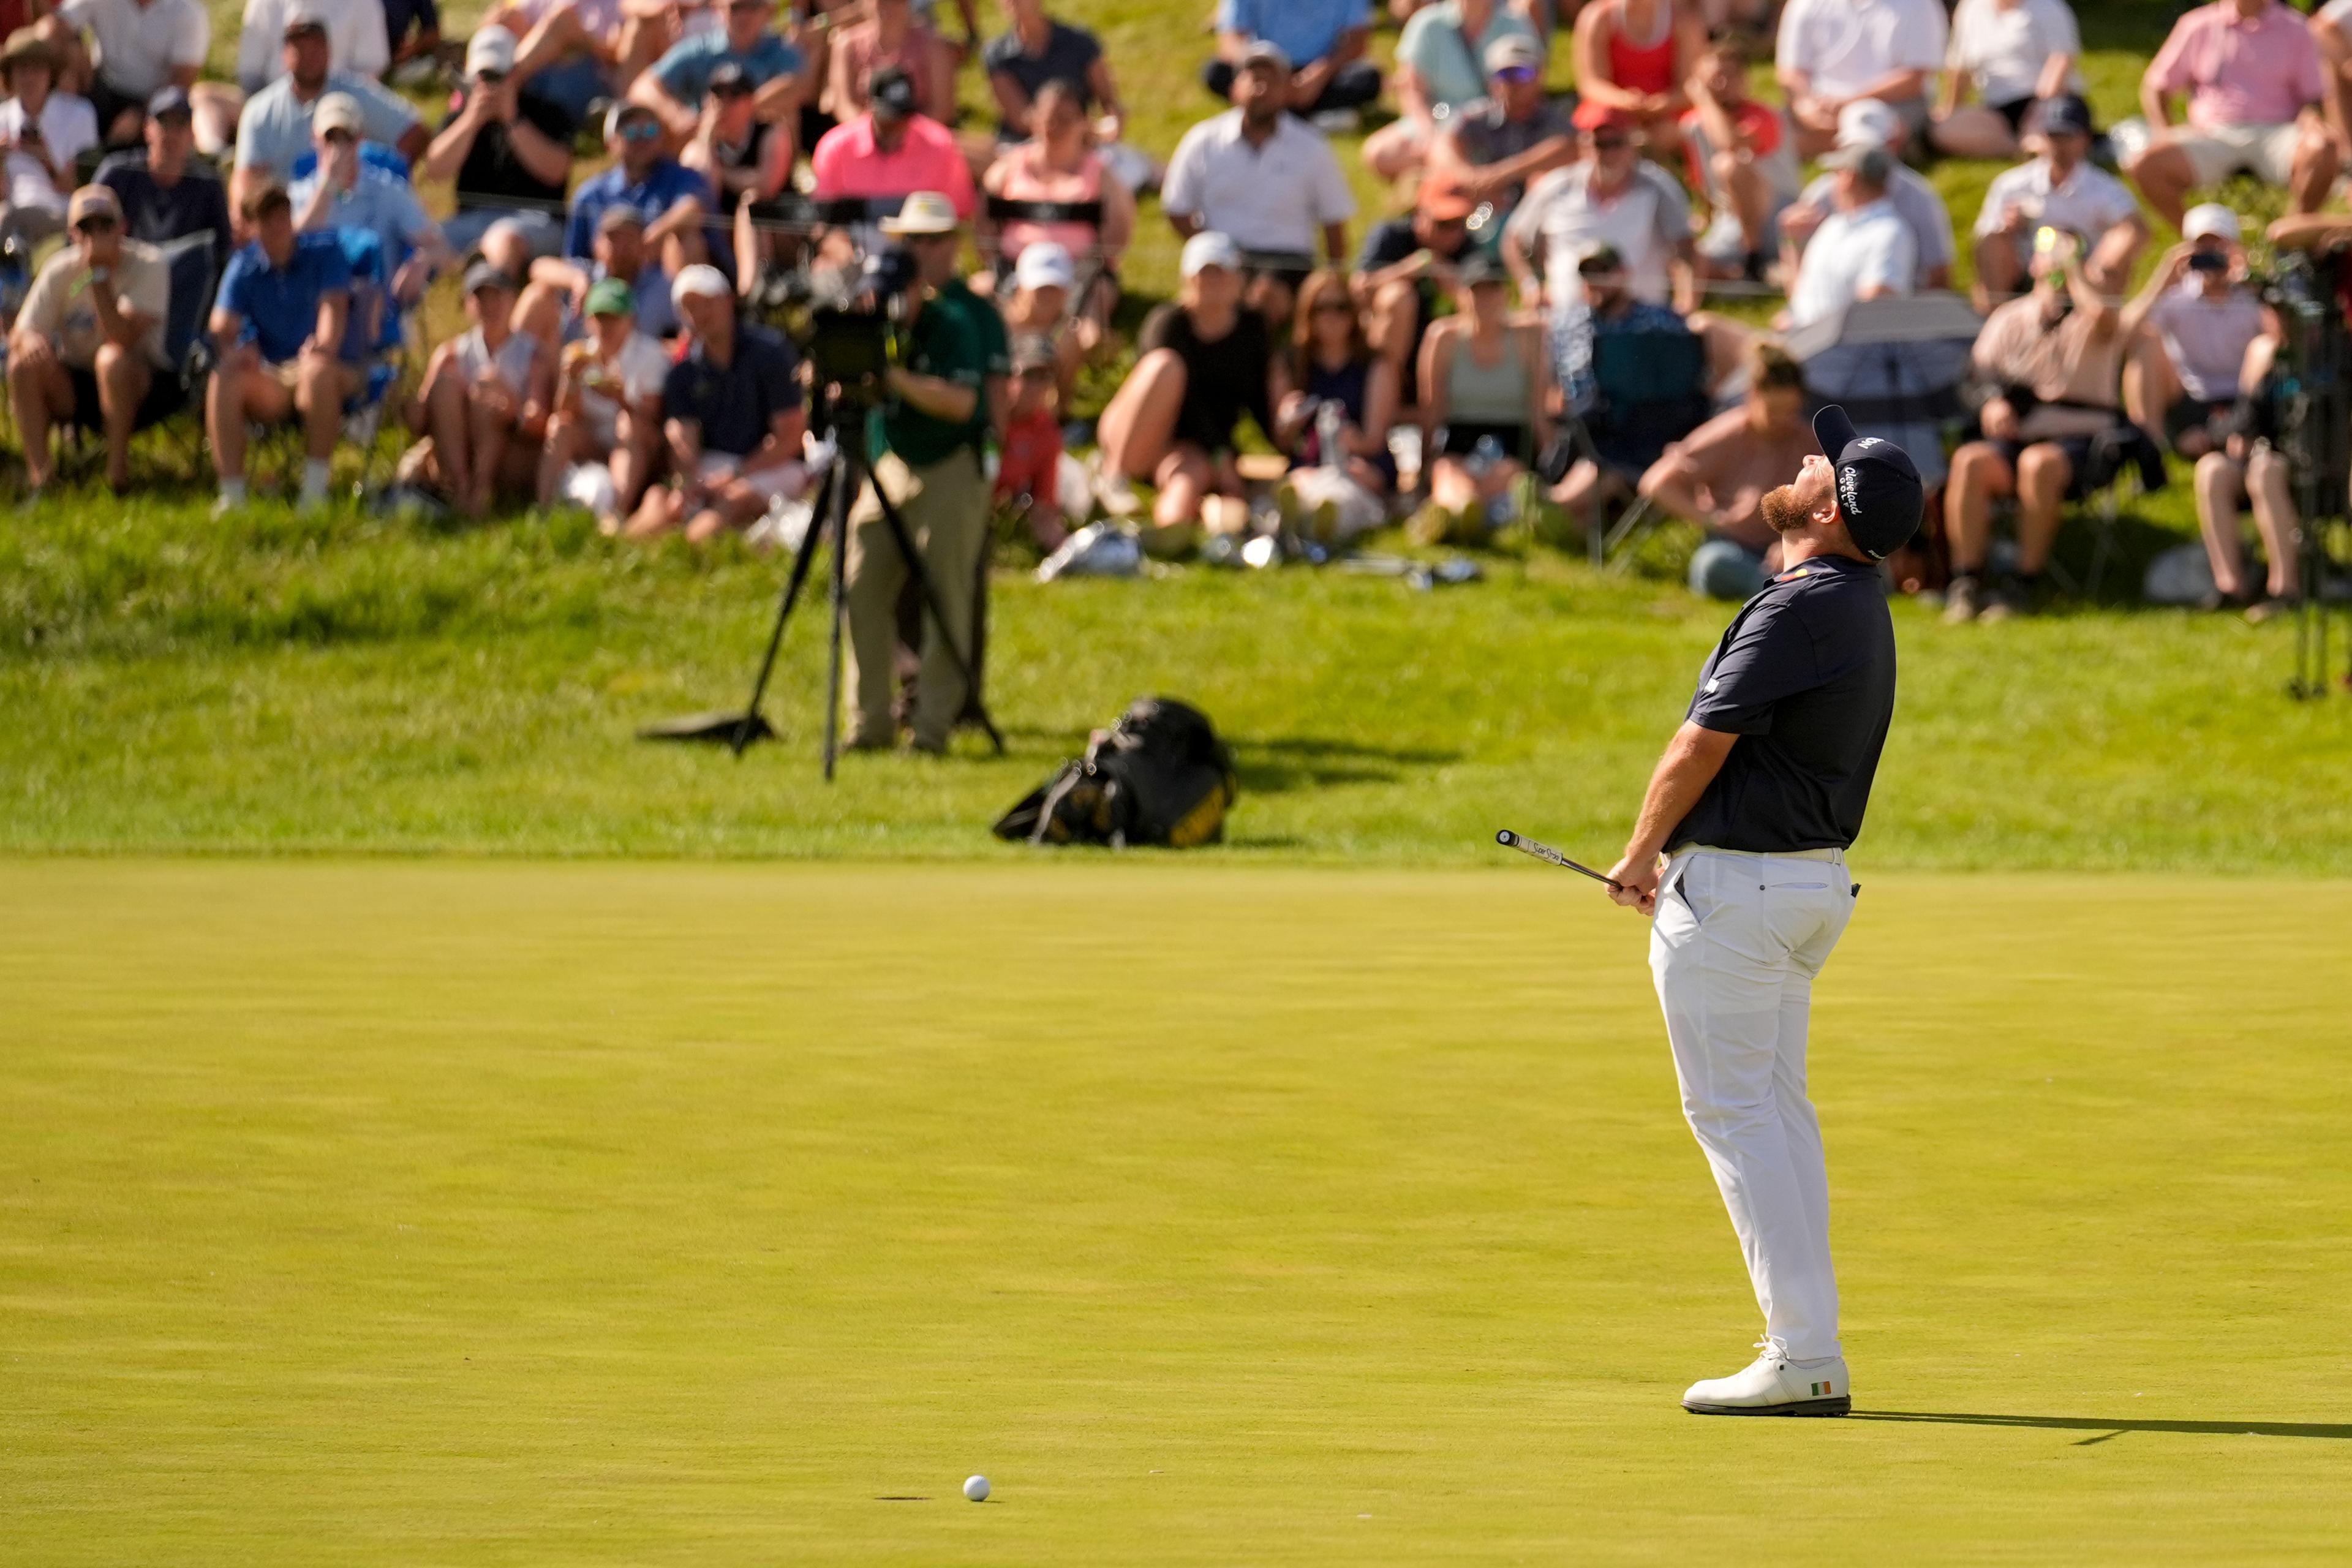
(904, 539)
(837, 520)
(801, 560)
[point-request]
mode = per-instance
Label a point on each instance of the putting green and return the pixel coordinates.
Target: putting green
(496, 1212)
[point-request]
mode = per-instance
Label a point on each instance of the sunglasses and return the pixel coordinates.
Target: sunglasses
(1610, 143)
(338, 136)
(97, 225)
(489, 79)
(640, 131)
(1516, 76)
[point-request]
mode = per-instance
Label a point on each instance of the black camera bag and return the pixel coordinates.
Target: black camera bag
(1159, 775)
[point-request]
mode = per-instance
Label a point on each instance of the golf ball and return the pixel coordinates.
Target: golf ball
(976, 1489)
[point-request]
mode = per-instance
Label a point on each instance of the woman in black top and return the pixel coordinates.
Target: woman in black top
(1205, 361)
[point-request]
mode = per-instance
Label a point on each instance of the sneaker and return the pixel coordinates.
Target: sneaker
(1775, 1385)
(2271, 607)
(1962, 600)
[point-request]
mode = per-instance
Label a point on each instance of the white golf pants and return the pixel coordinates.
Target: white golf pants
(1736, 944)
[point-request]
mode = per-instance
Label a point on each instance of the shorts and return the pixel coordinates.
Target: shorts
(288, 373)
(785, 481)
(165, 396)
(2267, 152)
(2187, 414)
(2078, 459)
(108, 102)
(2014, 111)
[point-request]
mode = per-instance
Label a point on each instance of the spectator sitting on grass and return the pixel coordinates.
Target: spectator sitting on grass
(1440, 69)
(1037, 49)
(1862, 251)
(747, 161)
(279, 329)
(1202, 361)
(1029, 464)
(142, 46)
(573, 52)
(2254, 82)
(1322, 41)
(1832, 53)
(1739, 155)
(43, 131)
(1861, 127)
(2012, 52)
(731, 419)
(889, 151)
(1057, 165)
(274, 132)
(891, 36)
(1718, 474)
(508, 150)
(1038, 306)
(553, 307)
(165, 193)
(484, 405)
(1613, 195)
(1482, 405)
(347, 191)
(1607, 309)
(2053, 356)
(2201, 319)
(354, 29)
(2064, 189)
(88, 344)
(1493, 148)
(1406, 268)
(677, 87)
(1262, 179)
(671, 198)
(1335, 494)
(2250, 467)
(1633, 54)
(608, 395)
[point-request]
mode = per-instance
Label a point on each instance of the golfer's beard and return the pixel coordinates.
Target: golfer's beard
(1783, 511)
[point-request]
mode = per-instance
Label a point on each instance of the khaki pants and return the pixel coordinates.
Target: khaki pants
(946, 509)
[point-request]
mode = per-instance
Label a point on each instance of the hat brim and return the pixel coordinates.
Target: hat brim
(918, 229)
(1834, 430)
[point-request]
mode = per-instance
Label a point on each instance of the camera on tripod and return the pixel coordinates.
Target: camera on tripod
(851, 337)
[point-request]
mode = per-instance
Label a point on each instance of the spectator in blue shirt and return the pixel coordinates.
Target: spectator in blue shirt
(672, 199)
(1324, 41)
(277, 325)
(345, 190)
(677, 86)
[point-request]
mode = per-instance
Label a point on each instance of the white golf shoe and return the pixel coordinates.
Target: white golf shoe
(1775, 1385)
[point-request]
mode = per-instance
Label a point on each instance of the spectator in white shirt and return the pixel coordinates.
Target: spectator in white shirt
(2062, 189)
(138, 47)
(1862, 251)
(1832, 53)
(1264, 177)
(43, 131)
(1610, 193)
(355, 39)
(2198, 335)
(1861, 126)
(2012, 52)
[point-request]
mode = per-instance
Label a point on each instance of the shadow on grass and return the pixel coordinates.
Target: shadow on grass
(2111, 1429)
(1275, 767)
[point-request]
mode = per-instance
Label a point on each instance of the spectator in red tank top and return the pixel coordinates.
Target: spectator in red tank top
(1635, 55)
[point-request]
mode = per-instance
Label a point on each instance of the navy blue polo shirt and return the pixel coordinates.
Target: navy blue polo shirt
(279, 305)
(666, 183)
(1805, 677)
(734, 403)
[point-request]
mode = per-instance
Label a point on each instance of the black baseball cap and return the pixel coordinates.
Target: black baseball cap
(1879, 491)
(729, 80)
(2067, 115)
(892, 94)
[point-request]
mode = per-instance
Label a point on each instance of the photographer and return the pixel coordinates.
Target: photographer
(940, 403)
(2052, 356)
(2201, 319)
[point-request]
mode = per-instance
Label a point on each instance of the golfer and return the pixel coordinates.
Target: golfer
(1740, 857)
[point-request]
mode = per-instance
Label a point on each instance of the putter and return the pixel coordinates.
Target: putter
(1526, 845)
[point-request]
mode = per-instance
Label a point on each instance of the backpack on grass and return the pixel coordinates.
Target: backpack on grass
(1159, 775)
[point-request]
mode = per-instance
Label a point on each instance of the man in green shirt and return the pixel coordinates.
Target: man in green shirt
(926, 439)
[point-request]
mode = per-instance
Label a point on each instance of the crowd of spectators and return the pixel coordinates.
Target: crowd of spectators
(633, 181)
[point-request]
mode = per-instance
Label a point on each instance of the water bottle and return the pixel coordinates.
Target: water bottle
(1483, 457)
(1329, 419)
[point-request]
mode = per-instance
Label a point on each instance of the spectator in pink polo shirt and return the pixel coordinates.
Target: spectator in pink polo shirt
(2252, 75)
(891, 151)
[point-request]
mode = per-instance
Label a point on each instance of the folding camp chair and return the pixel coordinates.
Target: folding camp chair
(1649, 391)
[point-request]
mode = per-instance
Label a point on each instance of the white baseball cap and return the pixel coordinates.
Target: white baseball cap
(338, 112)
(1210, 248)
(493, 49)
(1866, 123)
(707, 281)
(1044, 265)
(2210, 220)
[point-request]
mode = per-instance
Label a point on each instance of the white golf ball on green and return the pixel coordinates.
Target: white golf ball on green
(976, 1487)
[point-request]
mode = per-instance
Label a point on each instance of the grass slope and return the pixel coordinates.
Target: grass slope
(599, 1214)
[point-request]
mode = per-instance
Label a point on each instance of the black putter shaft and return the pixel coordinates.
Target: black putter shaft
(1526, 845)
